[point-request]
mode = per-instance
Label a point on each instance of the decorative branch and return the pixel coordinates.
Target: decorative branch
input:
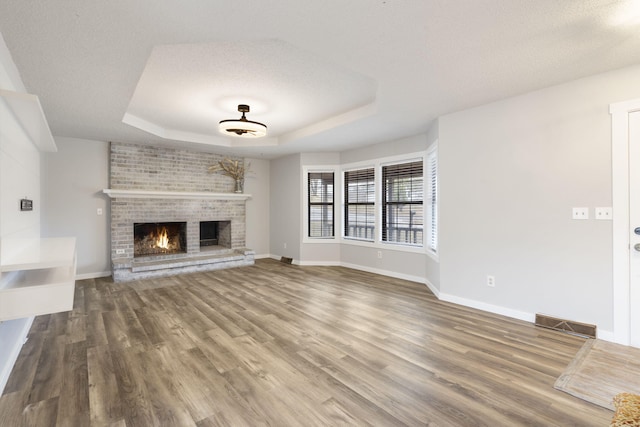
(236, 169)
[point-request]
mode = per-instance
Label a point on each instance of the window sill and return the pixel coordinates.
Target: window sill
(319, 240)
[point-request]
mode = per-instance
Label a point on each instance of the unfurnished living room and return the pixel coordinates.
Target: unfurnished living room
(320, 213)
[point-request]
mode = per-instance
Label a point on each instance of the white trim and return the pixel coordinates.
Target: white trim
(377, 165)
(95, 275)
(478, 305)
(154, 194)
(319, 263)
(399, 247)
(14, 353)
(337, 179)
(387, 273)
(620, 197)
(491, 308)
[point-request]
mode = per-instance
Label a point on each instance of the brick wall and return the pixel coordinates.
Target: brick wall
(143, 167)
(137, 167)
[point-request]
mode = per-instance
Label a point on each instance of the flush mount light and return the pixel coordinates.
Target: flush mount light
(243, 127)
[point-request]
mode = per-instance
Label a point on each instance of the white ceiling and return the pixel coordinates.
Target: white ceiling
(323, 75)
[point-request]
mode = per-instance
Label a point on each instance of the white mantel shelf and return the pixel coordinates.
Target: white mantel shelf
(156, 194)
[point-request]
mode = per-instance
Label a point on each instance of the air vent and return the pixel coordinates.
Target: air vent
(568, 326)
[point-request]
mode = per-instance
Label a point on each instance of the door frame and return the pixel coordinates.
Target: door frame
(621, 222)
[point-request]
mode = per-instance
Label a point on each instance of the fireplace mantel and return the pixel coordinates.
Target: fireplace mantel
(156, 194)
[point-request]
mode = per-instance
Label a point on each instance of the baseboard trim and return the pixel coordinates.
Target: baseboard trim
(388, 273)
(479, 305)
(495, 309)
(16, 346)
(85, 276)
(319, 263)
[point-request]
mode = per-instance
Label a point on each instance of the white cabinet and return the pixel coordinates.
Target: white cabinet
(37, 277)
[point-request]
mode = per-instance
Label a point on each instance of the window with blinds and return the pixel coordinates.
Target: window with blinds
(432, 200)
(402, 199)
(321, 213)
(359, 204)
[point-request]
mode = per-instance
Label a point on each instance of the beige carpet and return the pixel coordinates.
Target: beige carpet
(601, 370)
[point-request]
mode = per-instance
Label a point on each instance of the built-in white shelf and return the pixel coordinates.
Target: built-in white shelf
(29, 113)
(37, 276)
(156, 194)
(33, 254)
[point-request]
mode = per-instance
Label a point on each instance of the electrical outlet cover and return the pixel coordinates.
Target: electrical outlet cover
(580, 213)
(605, 213)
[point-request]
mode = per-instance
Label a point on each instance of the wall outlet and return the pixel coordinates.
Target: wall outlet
(379, 254)
(604, 213)
(119, 251)
(99, 211)
(580, 213)
(285, 246)
(491, 281)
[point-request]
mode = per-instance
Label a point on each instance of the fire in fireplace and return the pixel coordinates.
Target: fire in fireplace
(159, 238)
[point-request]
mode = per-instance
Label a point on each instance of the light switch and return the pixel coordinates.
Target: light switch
(580, 213)
(604, 213)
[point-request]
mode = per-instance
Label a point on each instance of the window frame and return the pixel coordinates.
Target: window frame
(305, 203)
(384, 231)
(377, 243)
(346, 204)
(330, 203)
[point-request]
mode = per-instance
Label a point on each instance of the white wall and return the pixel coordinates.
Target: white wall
(73, 179)
(510, 173)
(19, 178)
(257, 184)
(285, 207)
(72, 183)
(409, 265)
(320, 251)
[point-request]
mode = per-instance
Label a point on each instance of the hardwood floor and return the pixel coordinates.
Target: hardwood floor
(282, 345)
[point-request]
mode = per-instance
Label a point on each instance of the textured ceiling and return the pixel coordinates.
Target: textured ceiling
(186, 89)
(409, 61)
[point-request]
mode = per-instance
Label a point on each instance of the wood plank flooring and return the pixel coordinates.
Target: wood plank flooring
(600, 371)
(282, 345)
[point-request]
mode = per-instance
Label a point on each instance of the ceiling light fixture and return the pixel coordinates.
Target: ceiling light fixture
(243, 127)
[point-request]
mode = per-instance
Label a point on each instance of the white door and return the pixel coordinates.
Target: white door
(634, 228)
(625, 156)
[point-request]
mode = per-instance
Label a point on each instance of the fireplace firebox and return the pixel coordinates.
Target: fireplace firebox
(208, 233)
(215, 234)
(159, 238)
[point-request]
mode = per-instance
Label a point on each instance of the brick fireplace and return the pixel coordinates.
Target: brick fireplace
(154, 185)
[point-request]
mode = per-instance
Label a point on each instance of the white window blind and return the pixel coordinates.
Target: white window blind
(432, 200)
